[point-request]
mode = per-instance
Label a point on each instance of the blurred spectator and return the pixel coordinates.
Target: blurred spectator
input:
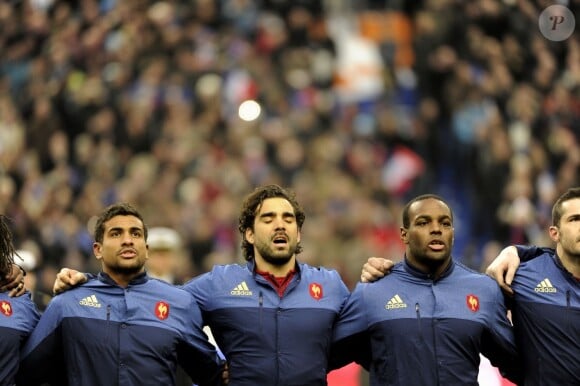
(361, 106)
(166, 256)
(31, 261)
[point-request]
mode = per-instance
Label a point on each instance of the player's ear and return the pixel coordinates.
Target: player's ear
(97, 247)
(404, 235)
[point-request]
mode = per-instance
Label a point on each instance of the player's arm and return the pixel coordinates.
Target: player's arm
(42, 357)
(498, 343)
(198, 356)
(351, 342)
(503, 268)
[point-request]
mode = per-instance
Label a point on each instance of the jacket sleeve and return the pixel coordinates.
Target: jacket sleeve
(530, 252)
(42, 355)
(28, 323)
(197, 355)
(351, 342)
(199, 287)
(498, 342)
(14, 332)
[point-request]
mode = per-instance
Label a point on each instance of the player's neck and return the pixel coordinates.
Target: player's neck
(433, 268)
(274, 269)
(570, 262)
(122, 278)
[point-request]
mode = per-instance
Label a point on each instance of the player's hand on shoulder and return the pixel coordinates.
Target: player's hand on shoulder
(503, 268)
(66, 279)
(375, 268)
(14, 282)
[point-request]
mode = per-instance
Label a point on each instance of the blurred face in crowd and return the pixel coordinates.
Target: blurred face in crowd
(567, 233)
(429, 235)
(275, 235)
(162, 262)
(123, 250)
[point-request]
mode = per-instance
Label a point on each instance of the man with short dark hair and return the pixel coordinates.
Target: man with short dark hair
(123, 328)
(428, 321)
(545, 297)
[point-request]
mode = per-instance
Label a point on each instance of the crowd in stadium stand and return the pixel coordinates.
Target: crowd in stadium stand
(363, 104)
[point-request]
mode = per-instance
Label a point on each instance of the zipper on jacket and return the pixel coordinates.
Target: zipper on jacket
(418, 312)
(568, 308)
(109, 325)
(260, 304)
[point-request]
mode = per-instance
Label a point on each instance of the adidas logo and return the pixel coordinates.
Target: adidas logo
(545, 286)
(395, 302)
(241, 289)
(90, 301)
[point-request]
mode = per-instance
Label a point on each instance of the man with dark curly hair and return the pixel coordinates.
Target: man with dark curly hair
(273, 316)
(18, 315)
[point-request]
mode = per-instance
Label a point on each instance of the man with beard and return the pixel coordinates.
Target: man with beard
(273, 316)
(123, 328)
(428, 321)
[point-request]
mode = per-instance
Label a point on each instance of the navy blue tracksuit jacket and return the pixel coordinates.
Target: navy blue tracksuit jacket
(106, 335)
(409, 329)
(270, 340)
(18, 316)
(546, 316)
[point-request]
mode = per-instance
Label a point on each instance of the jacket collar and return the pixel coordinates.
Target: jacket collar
(559, 264)
(251, 265)
(139, 279)
(409, 268)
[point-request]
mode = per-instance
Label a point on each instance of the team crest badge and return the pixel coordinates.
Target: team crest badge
(316, 291)
(162, 310)
(472, 302)
(6, 308)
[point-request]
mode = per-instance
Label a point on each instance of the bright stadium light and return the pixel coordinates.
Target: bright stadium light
(249, 110)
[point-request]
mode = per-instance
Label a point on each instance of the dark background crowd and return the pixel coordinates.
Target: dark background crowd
(363, 105)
